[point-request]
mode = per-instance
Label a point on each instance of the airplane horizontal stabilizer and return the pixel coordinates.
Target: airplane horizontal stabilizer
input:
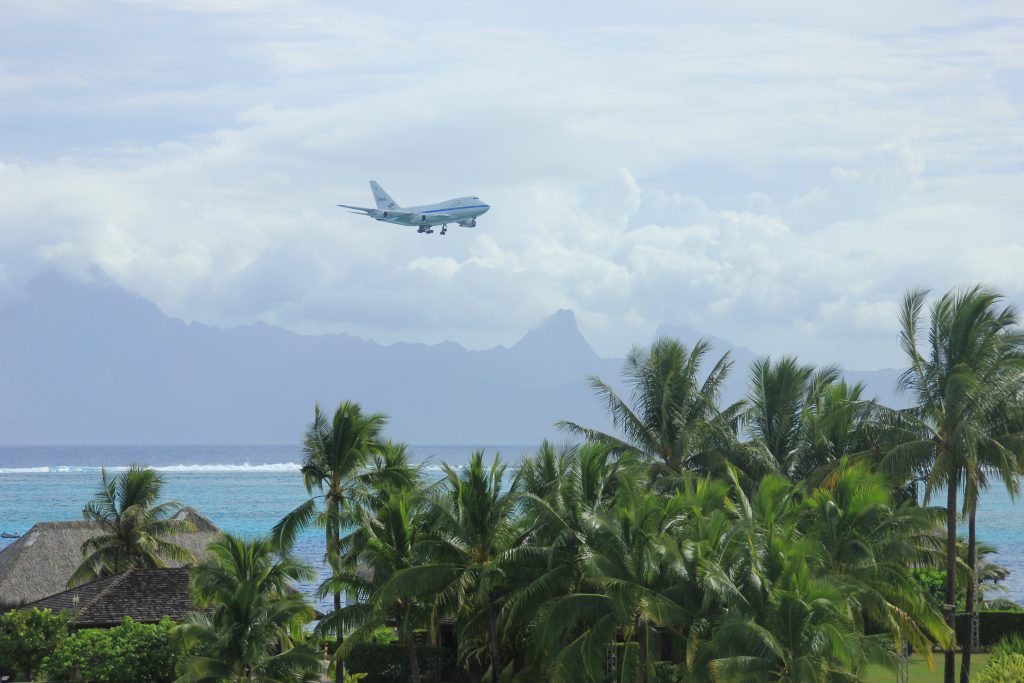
(357, 209)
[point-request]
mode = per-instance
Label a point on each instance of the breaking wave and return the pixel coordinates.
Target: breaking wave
(197, 468)
(221, 467)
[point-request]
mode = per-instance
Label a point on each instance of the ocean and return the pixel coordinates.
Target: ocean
(246, 489)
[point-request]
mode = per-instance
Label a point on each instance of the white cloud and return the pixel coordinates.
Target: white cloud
(439, 266)
(778, 182)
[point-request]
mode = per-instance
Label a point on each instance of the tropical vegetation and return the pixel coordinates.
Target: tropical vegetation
(128, 653)
(135, 529)
(790, 536)
(343, 455)
(775, 539)
(252, 627)
(1006, 664)
(26, 638)
(964, 427)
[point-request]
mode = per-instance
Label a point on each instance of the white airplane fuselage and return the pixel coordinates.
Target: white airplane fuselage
(462, 211)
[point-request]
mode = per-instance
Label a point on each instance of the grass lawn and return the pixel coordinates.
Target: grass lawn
(919, 672)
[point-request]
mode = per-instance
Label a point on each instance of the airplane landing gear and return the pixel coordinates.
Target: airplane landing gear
(444, 230)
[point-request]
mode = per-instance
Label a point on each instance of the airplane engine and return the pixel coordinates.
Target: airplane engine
(471, 223)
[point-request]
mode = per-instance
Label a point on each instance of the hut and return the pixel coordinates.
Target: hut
(145, 595)
(40, 563)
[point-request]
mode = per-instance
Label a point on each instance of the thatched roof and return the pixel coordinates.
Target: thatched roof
(40, 563)
(145, 595)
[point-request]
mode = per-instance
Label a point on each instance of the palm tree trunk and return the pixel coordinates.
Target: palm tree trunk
(495, 650)
(972, 561)
(641, 658)
(334, 551)
(414, 665)
(410, 640)
(950, 597)
(435, 626)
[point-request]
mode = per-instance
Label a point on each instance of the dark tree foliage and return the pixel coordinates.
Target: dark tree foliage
(26, 638)
(129, 653)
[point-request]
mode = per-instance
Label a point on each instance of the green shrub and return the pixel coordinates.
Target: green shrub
(382, 635)
(934, 583)
(1006, 669)
(993, 626)
(1010, 645)
(26, 637)
(389, 663)
(667, 672)
(125, 654)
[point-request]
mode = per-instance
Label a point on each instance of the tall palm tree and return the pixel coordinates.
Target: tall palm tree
(391, 529)
(871, 544)
(472, 532)
(136, 529)
(789, 620)
(560, 488)
(802, 419)
(970, 367)
(802, 632)
(672, 415)
(632, 585)
(335, 454)
(252, 629)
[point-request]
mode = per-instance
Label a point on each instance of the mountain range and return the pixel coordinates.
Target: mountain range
(91, 363)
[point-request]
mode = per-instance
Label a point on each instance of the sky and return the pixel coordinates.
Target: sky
(774, 173)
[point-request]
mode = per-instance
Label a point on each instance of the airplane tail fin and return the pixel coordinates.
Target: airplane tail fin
(383, 199)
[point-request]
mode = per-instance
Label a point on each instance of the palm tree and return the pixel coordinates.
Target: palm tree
(641, 566)
(969, 370)
(335, 455)
(391, 529)
(472, 532)
(802, 632)
(871, 544)
(135, 527)
(802, 419)
(789, 620)
(251, 630)
(674, 417)
(560, 488)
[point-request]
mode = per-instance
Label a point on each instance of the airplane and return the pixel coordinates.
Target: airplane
(463, 211)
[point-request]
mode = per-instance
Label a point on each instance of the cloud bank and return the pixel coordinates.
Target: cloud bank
(777, 177)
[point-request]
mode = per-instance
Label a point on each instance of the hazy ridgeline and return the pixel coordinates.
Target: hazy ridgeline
(116, 370)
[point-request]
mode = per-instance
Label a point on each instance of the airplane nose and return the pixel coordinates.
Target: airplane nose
(487, 207)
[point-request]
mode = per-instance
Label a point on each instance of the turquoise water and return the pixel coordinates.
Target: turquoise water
(246, 489)
(242, 489)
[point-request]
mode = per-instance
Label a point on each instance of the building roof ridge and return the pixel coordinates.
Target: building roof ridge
(112, 583)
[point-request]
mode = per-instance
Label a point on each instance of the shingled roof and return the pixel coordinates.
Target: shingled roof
(40, 563)
(145, 595)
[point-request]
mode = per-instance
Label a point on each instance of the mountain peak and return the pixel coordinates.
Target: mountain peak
(558, 330)
(562, 319)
